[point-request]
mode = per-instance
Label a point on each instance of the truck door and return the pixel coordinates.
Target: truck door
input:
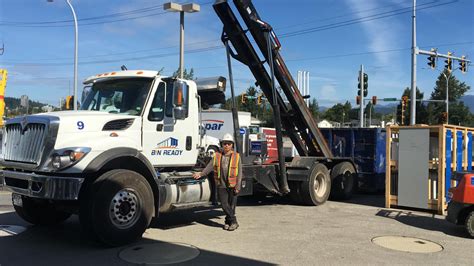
(169, 140)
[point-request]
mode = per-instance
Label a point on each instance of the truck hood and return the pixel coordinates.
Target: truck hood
(86, 121)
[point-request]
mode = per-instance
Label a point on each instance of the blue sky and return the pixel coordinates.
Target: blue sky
(39, 46)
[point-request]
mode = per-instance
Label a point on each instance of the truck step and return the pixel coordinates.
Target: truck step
(189, 205)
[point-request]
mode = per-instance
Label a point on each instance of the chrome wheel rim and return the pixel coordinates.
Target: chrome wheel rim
(320, 186)
(124, 209)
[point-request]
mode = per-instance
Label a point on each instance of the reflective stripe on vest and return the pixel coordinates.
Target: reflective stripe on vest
(233, 168)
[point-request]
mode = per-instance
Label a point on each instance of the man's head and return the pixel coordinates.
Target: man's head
(227, 142)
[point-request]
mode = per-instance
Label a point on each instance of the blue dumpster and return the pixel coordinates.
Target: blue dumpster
(366, 148)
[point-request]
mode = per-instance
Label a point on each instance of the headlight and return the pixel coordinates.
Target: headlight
(67, 157)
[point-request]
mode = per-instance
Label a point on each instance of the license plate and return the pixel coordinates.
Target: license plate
(16, 200)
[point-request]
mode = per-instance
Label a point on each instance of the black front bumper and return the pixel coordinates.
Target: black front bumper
(42, 186)
(454, 209)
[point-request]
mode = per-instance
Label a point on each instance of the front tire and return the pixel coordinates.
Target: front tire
(118, 208)
(470, 224)
(315, 191)
(40, 212)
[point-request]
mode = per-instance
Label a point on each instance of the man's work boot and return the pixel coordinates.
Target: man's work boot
(233, 226)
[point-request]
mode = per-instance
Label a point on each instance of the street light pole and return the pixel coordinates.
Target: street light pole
(181, 44)
(414, 51)
(76, 38)
(447, 96)
(189, 8)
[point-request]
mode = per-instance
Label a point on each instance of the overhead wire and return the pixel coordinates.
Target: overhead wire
(286, 35)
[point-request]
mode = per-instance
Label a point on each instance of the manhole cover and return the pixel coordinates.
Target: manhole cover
(407, 244)
(159, 253)
(11, 230)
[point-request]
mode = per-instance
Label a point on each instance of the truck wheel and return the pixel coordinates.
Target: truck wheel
(470, 224)
(118, 208)
(316, 190)
(343, 180)
(40, 212)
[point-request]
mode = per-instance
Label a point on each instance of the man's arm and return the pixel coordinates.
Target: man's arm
(207, 170)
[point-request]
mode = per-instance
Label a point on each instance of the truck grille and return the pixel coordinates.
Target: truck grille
(24, 145)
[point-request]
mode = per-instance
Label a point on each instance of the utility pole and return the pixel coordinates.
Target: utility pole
(413, 67)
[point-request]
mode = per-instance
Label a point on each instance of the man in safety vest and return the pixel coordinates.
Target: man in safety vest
(228, 176)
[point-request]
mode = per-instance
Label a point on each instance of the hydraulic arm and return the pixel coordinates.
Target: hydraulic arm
(296, 117)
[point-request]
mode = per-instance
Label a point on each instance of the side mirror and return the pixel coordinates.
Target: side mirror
(180, 99)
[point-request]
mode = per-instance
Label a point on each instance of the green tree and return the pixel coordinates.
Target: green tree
(314, 108)
(338, 112)
(458, 113)
(186, 75)
(422, 116)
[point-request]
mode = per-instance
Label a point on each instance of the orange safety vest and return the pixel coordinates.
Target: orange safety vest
(233, 169)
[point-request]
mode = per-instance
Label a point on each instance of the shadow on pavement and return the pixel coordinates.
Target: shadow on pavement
(189, 217)
(65, 244)
(424, 222)
(373, 200)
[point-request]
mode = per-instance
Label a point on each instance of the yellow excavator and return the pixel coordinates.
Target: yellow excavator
(3, 85)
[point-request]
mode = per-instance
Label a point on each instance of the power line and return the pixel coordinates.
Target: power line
(290, 34)
(360, 20)
(44, 24)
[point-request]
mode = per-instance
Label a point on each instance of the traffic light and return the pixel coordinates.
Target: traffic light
(444, 117)
(259, 99)
(243, 98)
(366, 85)
(358, 100)
(69, 102)
(374, 100)
(404, 105)
(449, 62)
(432, 60)
(463, 64)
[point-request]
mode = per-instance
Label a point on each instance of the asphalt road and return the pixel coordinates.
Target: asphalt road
(272, 231)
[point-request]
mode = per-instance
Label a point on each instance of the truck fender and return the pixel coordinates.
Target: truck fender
(124, 158)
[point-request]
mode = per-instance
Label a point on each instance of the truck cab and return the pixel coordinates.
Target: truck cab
(125, 156)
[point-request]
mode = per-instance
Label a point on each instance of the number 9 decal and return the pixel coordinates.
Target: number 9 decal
(80, 125)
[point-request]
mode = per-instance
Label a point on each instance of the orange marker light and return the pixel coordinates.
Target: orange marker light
(179, 101)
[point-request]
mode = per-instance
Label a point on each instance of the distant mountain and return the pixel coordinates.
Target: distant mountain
(386, 109)
(469, 102)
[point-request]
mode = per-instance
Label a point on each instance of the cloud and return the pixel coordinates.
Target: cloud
(382, 34)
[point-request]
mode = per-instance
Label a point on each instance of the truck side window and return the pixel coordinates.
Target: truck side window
(157, 111)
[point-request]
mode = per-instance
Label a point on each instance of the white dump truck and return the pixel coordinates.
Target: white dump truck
(130, 152)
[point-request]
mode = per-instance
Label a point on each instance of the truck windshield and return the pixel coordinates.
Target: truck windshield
(118, 96)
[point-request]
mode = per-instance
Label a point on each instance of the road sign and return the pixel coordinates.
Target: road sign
(390, 99)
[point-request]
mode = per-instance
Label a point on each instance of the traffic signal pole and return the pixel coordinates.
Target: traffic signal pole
(414, 51)
(361, 89)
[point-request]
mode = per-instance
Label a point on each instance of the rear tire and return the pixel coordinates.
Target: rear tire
(40, 212)
(343, 177)
(470, 224)
(315, 191)
(118, 208)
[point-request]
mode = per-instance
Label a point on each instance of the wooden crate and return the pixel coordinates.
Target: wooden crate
(450, 151)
